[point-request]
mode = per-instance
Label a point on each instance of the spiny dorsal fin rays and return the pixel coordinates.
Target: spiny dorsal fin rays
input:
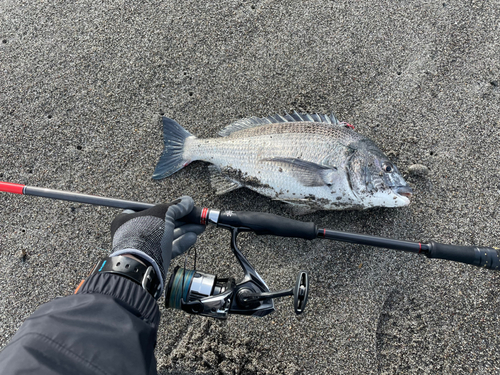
(316, 117)
(283, 119)
(297, 116)
(277, 118)
(334, 119)
(289, 117)
(253, 122)
(326, 119)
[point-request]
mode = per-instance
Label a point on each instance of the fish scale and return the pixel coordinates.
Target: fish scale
(310, 161)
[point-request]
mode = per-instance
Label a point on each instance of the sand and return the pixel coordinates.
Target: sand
(83, 86)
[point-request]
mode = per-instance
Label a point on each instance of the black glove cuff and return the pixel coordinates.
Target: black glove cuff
(133, 270)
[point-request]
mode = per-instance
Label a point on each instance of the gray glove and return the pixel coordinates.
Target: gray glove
(154, 235)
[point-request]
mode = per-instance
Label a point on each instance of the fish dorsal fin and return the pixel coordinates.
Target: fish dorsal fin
(254, 122)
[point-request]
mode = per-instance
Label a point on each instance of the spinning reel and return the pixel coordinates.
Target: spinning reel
(204, 294)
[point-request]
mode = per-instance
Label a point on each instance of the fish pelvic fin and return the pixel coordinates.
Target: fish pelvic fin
(171, 160)
(222, 184)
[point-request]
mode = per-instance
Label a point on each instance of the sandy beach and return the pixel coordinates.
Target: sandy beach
(83, 86)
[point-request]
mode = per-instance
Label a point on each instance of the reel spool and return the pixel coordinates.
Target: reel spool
(189, 286)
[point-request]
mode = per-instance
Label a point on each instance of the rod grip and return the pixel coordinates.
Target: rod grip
(486, 257)
(194, 216)
(264, 223)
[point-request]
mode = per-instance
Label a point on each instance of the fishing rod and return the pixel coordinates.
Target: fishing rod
(256, 299)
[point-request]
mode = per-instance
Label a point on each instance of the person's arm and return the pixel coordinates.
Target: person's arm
(110, 325)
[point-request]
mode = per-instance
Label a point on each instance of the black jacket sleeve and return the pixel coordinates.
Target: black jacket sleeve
(108, 327)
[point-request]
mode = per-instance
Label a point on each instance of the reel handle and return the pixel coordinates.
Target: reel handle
(249, 299)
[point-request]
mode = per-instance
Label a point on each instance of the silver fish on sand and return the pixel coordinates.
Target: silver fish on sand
(311, 161)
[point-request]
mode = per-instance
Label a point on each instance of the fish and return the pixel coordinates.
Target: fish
(310, 161)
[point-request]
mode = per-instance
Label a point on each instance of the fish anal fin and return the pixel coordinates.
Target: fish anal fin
(308, 173)
(300, 210)
(299, 207)
(222, 184)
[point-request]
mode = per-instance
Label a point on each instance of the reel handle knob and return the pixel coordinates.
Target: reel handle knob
(301, 292)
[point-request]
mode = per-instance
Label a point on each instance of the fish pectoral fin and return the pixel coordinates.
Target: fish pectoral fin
(307, 173)
(221, 184)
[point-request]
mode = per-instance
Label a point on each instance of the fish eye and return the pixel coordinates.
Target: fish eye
(387, 167)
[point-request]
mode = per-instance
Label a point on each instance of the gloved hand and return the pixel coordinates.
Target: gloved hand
(154, 235)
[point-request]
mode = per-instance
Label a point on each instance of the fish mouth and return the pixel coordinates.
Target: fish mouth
(404, 191)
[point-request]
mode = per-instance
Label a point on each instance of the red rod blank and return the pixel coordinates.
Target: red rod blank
(9, 187)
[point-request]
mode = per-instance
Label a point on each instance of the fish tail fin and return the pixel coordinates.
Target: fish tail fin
(171, 160)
